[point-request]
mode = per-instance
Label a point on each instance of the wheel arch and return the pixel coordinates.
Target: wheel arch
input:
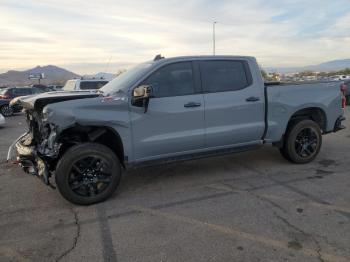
(99, 134)
(315, 114)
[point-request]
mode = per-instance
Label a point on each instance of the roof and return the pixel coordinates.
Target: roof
(201, 57)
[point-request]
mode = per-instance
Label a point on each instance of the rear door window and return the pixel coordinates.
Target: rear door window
(37, 91)
(23, 91)
(222, 76)
(27, 91)
(17, 92)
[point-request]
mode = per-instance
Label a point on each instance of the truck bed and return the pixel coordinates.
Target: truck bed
(286, 99)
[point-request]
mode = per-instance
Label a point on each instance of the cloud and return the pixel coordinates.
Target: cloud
(83, 35)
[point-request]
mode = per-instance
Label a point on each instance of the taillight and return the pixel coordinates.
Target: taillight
(4, 97)
(343, 102)
(343, 89)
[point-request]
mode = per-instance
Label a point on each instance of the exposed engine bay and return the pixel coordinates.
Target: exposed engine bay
(38, 147)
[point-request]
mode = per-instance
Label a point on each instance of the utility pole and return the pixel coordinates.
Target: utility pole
(214, 23)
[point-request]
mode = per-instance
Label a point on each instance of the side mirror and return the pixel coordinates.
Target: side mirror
(141, 96)
(139, 92)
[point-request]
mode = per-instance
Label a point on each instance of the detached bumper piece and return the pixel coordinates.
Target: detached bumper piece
(338, 124)
(30, 161)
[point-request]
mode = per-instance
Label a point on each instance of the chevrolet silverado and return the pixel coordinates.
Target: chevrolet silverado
(170, 110)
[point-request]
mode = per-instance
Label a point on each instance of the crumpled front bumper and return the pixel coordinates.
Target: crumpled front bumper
(28, 158)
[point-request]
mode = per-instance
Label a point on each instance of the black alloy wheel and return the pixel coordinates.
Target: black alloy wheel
(89, 176)
(302, 142)
(88, 173)
(306, 143)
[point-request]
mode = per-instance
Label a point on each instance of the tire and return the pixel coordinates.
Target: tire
(303, 142)
(284, 154)
(79, 176)
(6, 110)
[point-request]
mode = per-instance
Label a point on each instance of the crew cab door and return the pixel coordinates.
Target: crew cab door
(174, 121)
(234, 103)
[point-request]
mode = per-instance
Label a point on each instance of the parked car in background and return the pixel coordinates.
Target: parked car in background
(5, 108)
(339, 78)
(9, 93)
(84, 84)
(12, 92)
(2, 120)
(171, 110)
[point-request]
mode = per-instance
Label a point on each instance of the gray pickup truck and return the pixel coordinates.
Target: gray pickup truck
(170, 110)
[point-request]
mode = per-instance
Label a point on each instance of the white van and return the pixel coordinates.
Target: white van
(84, 84)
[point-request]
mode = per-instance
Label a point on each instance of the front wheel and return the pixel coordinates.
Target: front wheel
(6, 110)
(88, 173)
(303, 142)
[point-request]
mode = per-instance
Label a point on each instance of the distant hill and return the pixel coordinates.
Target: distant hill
(53, 75)
(331, 65)
(334, 65)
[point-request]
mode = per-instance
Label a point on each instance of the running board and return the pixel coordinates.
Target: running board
(193, 156)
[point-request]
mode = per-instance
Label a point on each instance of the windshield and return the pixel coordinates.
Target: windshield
(126, 79)
(70, 85)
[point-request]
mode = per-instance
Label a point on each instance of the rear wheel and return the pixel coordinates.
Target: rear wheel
(6, 110)
(284, 154)
(88, 173)
(303, 142)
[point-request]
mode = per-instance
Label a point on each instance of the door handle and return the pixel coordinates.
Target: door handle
(192, 104)
(252, 99)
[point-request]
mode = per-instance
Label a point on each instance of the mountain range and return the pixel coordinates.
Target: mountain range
(53, 75)
(334, 65)
(57, 75)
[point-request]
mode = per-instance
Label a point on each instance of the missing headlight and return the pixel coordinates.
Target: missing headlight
(49, 146)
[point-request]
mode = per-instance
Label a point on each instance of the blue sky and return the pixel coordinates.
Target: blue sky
(84, 35)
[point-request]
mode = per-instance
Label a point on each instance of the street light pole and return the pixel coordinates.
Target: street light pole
(214, 23)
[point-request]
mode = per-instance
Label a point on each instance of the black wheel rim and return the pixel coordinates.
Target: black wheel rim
(6, 110)
(306, 143)
(90, 176)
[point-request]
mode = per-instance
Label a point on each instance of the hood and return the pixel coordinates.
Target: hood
(38, 102)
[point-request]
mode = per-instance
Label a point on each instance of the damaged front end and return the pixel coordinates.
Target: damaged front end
(37, 150)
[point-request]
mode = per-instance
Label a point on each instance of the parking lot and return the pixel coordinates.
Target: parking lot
(252, 206)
